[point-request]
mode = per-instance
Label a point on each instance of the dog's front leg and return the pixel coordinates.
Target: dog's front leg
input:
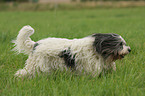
(114, 66)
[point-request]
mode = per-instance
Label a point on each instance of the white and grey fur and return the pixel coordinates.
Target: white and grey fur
(93, 54)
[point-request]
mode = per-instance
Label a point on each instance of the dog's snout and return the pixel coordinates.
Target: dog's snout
(129, 50)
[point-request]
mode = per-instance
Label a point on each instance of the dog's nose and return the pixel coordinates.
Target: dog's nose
(129, 50)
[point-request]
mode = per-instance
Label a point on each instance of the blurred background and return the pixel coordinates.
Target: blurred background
(66, 4)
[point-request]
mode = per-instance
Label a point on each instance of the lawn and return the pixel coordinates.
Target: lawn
(128, 80)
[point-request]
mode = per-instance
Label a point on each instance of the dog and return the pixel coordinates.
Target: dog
(93, 55)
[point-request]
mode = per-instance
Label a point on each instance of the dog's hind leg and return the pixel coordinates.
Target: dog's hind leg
(29, 69)
(35, 64)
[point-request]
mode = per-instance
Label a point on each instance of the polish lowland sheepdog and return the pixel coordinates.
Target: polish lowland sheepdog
(93, 54)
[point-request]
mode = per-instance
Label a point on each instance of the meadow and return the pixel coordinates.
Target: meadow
(129, 78)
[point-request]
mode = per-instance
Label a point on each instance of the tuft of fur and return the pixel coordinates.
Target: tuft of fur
(23, 42)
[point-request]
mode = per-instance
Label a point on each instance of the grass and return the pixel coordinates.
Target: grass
(128, 80)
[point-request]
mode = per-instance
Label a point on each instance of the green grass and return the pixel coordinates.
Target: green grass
(128, 80)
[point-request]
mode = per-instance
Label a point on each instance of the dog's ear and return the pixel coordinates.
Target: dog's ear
(106, 44)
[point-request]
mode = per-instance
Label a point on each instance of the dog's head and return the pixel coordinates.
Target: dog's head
(110, 45)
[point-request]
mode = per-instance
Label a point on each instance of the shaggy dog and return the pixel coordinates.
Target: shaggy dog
(93, 54)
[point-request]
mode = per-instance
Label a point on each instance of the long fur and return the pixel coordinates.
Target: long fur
(91, 54)
(23, 43)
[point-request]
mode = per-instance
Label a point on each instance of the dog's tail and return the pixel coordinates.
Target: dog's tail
(23, 42)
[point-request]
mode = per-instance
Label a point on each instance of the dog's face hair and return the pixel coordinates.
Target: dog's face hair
(69, 58)
(110, 45)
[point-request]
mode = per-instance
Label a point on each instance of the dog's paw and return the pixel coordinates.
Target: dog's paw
(20, 73)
